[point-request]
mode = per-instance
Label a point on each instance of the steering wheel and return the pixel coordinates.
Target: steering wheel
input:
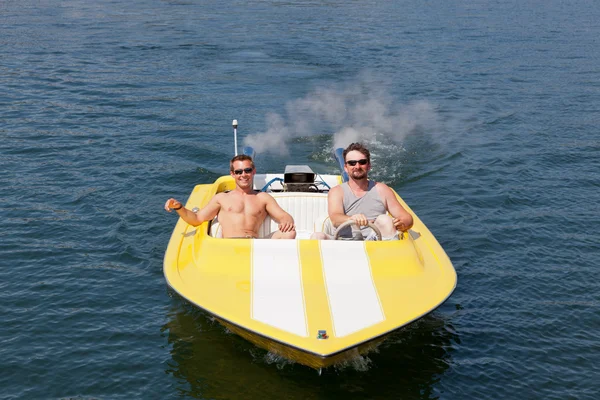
(371, 225)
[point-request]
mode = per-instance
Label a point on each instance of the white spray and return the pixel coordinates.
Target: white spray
(353, 113)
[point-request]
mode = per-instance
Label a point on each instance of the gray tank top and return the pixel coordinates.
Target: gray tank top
(370, 205)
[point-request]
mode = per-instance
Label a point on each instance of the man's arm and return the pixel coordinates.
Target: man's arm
(285, 220)
(195, 218)
(403, 221)
(335, 206)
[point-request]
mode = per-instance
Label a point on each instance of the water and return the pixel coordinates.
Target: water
(483, 115)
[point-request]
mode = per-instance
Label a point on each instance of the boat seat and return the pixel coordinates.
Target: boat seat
(309, 211)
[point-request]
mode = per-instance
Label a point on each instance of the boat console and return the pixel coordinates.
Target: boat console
(299, 178)
(296, 178)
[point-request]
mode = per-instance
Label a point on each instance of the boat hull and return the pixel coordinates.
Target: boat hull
(316, 361)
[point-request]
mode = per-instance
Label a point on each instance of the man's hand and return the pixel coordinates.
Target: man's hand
(360, 219)
(400, 225)
(287, 226)
(171, 204)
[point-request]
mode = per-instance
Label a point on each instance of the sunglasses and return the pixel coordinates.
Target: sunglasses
(241, 171)
(352, 163)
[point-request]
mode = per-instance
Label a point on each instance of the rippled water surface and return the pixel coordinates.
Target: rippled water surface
(483, 115)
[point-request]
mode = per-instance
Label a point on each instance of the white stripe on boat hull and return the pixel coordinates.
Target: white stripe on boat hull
(353, 298)
(277, 296)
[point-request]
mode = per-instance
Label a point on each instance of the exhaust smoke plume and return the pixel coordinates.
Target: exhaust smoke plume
(351, 114)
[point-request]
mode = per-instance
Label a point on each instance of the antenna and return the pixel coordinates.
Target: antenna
(235, 124)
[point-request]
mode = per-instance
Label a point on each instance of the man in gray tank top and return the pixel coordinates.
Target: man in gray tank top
(364, 201)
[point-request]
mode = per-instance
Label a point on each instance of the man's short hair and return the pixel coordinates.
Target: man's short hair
(240, 157)
(357, 147)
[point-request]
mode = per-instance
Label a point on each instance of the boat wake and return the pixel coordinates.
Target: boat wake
(274, 359)
(360, 363)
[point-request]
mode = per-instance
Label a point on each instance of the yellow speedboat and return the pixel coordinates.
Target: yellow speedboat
(314, 302)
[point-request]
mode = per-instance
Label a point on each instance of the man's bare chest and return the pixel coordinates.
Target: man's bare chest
(247, 205)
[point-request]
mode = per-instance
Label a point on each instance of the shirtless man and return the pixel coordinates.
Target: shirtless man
(364, 201)
(242, 210)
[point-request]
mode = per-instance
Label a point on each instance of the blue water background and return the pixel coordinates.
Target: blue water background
(483, 115)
